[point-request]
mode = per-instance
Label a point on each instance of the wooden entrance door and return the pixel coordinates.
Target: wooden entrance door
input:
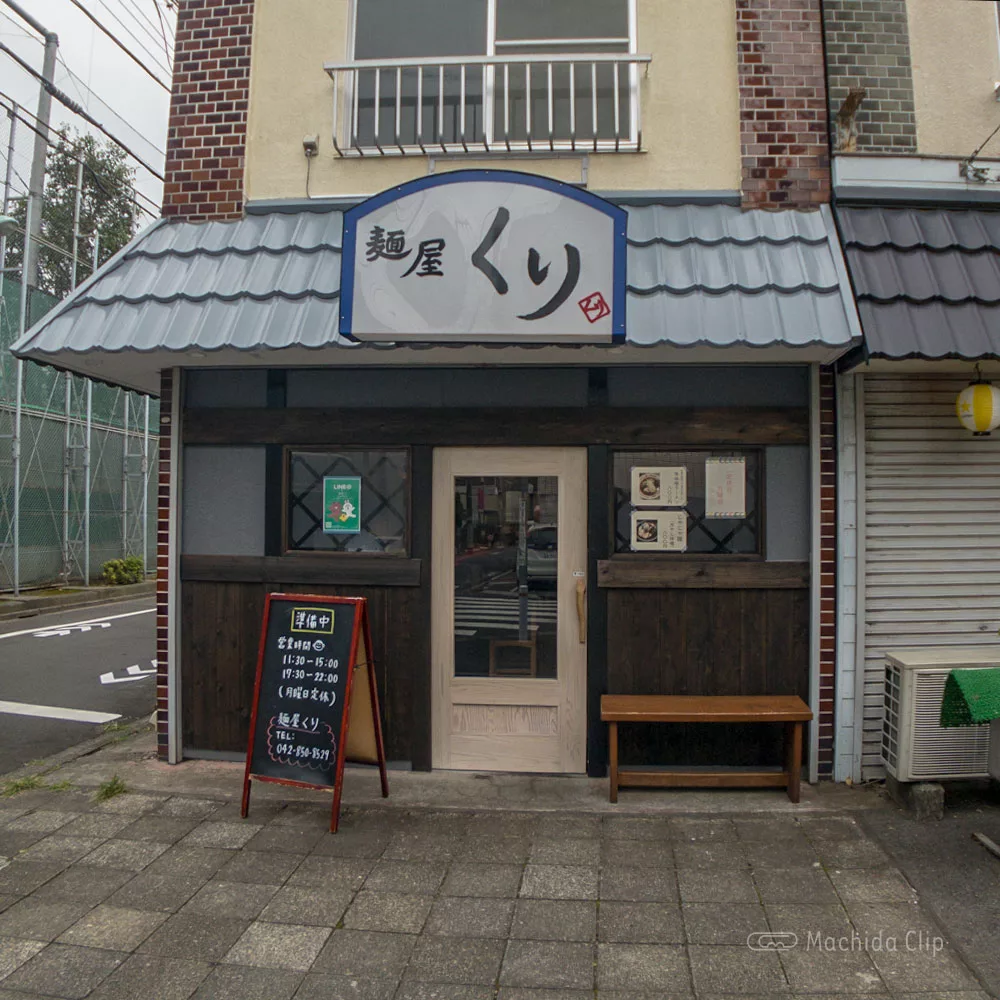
(509, 644)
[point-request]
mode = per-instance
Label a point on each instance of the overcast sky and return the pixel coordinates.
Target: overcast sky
(135, 107)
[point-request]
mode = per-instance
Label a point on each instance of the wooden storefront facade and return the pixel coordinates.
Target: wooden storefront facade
(670, 623)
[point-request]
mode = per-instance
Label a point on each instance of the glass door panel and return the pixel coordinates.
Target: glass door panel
(506, 576)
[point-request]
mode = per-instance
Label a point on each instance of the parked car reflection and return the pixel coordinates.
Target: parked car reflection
(543, 555)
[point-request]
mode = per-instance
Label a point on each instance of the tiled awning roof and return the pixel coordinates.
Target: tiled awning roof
(265, 290)
(927, 280)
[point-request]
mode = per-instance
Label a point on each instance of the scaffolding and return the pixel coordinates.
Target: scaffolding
(79, 491)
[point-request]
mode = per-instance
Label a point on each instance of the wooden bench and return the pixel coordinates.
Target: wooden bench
(789, 709)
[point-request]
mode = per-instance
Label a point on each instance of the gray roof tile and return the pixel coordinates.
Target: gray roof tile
(927, 280)
(697, 275)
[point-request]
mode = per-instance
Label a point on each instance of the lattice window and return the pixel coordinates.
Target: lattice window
(706, 536)
(384, 500)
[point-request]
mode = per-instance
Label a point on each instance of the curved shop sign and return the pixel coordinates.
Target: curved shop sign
(484, 255)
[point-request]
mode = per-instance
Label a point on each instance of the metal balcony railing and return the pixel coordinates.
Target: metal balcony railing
(491, 104)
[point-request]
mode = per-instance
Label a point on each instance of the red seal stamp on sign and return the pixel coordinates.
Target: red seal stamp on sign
(594, 307)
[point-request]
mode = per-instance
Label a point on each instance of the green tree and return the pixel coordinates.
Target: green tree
(106, 207)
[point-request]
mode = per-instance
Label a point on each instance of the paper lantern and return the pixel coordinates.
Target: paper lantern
(978, 408)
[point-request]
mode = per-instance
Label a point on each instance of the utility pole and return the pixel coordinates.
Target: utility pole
(19, 390)
(36, 182)
(12, 115)
(68, 448)
(86, 448)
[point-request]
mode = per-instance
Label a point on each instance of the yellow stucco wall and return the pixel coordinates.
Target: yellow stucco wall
(956, 62)
(690, 107)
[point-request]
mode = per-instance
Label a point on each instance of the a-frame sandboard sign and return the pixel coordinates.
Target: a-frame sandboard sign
(315, 702)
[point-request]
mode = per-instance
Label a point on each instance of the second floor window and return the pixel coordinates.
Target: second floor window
(446, 75)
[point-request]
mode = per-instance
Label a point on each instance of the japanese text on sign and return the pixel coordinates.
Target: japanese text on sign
(308, 677)
(302, 686)
(518, 258)
(312, 620)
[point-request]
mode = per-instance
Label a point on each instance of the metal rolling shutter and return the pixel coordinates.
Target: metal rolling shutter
(932, 531)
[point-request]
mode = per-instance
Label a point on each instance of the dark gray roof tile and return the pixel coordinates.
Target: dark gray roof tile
(927, 280)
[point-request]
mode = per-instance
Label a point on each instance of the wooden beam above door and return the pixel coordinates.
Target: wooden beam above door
(622, 426)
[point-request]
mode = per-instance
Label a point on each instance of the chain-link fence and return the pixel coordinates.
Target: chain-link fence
(77, 467)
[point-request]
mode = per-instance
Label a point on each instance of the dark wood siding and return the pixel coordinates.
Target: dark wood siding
(701, 640)
(219, 652)
(222, 606)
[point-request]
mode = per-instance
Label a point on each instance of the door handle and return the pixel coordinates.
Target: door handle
(581, 607)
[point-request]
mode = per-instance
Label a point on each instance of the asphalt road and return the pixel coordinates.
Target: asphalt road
(52, 664)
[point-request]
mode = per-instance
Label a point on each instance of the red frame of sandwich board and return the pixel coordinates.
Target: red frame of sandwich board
(360, 619)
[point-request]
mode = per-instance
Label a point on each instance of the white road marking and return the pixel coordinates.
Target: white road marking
(69, 625)
(49, 712)
(67, 629)
(133, 673)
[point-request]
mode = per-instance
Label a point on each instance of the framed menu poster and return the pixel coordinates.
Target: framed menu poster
(659, 486)
(725, 487)
(659, 531)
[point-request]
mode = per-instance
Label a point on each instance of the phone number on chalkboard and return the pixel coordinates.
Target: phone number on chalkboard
(302, 753)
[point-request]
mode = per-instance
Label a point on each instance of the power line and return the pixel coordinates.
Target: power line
(141, 19)
(98, 178)
(147, 24)
(135, 38)
(73, 106)
(121, 45)
(20, 29)
(79, 83)
(65, 144)
(163, 30)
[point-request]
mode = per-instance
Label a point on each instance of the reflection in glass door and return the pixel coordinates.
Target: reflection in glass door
(506, 576)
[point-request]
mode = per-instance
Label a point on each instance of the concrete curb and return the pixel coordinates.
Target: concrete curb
(85, 597)
(52, 763)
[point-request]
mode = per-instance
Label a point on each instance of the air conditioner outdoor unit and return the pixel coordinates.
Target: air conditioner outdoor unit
(915, 747)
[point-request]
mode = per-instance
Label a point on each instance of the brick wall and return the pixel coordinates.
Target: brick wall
(868, 45)
(162, 559)
(828, 570)
(206, 131)
(783, 113)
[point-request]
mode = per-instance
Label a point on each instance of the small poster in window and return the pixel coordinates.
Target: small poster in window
(659, 486)
(659, 531)
(725, 487)
(341, 505)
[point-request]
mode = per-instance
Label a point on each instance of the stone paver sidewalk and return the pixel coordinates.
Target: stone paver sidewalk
(165, 897)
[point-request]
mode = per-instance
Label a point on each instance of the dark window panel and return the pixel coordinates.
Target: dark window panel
(562, 19)
(404, 29)
(384, 500)
(706, 536)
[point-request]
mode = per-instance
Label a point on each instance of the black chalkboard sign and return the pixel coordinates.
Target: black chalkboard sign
(308, 693)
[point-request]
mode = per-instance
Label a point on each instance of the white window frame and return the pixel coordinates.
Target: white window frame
(489, 72)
